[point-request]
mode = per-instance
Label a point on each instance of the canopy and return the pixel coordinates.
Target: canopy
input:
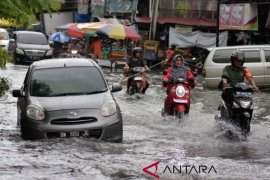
(119, 31)
(197, 38)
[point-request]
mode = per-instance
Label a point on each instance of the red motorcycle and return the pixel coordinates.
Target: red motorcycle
(177, 101)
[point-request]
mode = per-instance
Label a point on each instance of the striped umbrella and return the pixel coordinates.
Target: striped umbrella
(59, 37)
(119, 31)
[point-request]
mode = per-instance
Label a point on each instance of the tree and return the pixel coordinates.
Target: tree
(22, 12)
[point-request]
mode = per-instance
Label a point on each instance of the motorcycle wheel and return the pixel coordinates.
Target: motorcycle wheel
(179, 114)
(244, 124)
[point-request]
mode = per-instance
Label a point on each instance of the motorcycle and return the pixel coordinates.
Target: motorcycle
(177, 101)
(74, 53)
(236, 106)
(136, 83)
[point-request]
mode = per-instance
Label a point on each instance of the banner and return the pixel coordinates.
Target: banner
(83, 6)
(119, 6)
(238, 16)
(197, 38)
(183, 29)
(97, 8)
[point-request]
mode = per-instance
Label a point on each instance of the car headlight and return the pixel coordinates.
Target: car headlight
(19, 51)
(180, 91)
(108, 109)
(49, 53)
(35, 113)
(245, 104)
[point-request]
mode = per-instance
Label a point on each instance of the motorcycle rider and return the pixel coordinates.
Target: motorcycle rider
(136, 61)
(178, 70)
(169, 56)
(236, 73)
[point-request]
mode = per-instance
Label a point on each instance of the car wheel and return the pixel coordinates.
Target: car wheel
(15, 60)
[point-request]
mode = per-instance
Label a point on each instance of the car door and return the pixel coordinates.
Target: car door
(254, 63)
(267, 65)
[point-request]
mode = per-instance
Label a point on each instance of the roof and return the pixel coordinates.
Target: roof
(68, 62)
(179, 20)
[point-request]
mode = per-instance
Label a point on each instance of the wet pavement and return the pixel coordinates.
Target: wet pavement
(148, 138)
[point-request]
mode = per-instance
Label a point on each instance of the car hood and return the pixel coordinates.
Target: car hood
(94, 101)
(33, 46)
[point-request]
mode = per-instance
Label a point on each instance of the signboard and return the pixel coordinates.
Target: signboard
(238, 16)
(119, 6)
(83, 6)
(150, 50)
(97, 8)
(183, 29)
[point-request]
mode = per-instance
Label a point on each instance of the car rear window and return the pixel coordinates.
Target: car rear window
(32, 39)
(66, 81)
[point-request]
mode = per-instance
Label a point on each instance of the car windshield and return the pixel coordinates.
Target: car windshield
(32, 39)
(67, 81)
(4, 35)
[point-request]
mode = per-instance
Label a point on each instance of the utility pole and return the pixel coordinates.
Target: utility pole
(217, 25)
(153, 25)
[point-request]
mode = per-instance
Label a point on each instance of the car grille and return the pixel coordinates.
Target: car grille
(34, 53)
(94, 133)
(65, 121)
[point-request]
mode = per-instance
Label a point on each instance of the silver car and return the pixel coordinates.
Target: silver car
(257, 61)
(68, 98)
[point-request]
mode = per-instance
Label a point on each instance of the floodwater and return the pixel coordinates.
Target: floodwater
(148, 138)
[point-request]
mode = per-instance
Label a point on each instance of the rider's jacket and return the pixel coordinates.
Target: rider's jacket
(236, 75)
(173, 73)
(135, 63)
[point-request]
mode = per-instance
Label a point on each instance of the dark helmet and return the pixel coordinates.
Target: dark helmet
(238, 55)
(177, 56)
(136, 50)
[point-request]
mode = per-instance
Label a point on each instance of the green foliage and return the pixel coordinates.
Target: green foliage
(24, 12)
(4, 57)
(4, 86)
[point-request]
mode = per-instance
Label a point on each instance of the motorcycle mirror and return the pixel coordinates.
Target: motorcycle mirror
(193, 59)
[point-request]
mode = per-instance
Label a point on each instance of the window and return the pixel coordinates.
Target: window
(267, 55)
(32, 39)
(66, 81)
(223, 56)
(252, 56)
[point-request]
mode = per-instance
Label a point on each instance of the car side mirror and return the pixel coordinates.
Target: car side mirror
(17, 93)
(116, 87)
(11, 41)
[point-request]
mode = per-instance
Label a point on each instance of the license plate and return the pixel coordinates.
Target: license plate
(75, 134)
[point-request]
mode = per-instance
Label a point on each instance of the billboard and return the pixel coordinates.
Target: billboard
(119, 6)
(97, 8)
(238, 16)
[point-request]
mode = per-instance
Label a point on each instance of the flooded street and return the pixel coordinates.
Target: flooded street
(148, 138)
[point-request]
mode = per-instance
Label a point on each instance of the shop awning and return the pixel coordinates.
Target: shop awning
(187, 21)
(178, 20)
(144, 19)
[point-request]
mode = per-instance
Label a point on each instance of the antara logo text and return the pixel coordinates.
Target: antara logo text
(187, 169)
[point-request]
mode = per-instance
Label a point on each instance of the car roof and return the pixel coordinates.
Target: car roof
(240, 47)
(27, 32)
(65, 62)
(3, 30)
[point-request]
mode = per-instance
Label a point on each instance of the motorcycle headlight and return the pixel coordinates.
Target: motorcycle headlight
(180, 91)
(74, 51)
(19, 51)
(49, 53)
(245, 104)
(108, 109)
(35, 113)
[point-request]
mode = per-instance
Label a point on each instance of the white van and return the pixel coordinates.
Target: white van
(257, 61)
(4, 39)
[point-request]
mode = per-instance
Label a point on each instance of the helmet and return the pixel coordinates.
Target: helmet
(238, 55)
(173, 46)
(136, 50)
(177, 56)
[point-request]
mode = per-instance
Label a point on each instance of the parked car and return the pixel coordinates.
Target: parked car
(257, 61)
(68, 98)
(4, 39)
(29, 46)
